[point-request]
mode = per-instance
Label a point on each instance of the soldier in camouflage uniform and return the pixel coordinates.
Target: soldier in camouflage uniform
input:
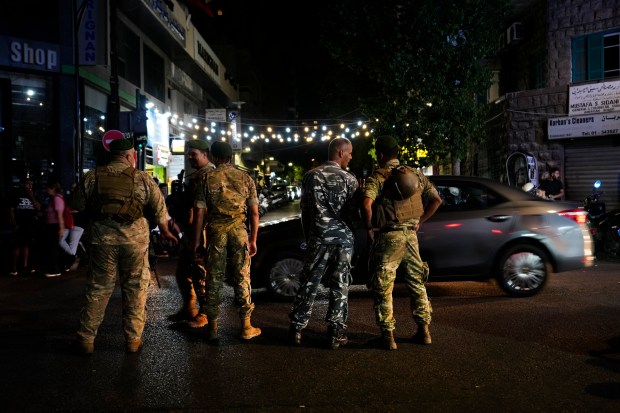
(190, 273)
(230, 199)
(117, 197)
(325, 191)
(392, 224)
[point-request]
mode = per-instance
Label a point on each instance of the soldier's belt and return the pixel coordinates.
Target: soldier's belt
(407, 228)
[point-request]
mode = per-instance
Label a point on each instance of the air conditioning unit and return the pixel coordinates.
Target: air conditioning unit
(513, 33)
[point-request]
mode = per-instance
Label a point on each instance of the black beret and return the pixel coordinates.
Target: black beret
(121, 144)
(221, 150)
(198, 144)
(385, 144)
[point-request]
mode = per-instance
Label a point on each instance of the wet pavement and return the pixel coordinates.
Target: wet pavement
(555, 352)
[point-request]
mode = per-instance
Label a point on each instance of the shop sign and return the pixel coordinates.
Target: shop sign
(163, 155)
(218, 115)
(29, 54)
(584, 126)
(594, 98)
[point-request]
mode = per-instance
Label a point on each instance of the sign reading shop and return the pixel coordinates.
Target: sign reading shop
(28, 54)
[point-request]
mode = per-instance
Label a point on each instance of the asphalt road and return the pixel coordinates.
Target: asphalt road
(556, 352)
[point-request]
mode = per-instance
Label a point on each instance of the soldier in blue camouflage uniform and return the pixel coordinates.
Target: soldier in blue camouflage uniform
(325, 191)
(392, 227)
(191, 273)
(230, 199)
(116, 198)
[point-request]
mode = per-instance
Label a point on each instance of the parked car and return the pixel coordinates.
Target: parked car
(483, 229)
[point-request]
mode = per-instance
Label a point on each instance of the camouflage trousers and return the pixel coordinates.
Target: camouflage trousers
(390, 250)
(191, 277)
(131, 264)
(228, 250)
(336, 259)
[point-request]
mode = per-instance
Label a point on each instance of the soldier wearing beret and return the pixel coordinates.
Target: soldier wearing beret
(230, 199)
(392, 220)
(116, 198)
(191, 273)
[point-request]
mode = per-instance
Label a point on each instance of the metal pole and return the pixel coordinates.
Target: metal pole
(78, 13)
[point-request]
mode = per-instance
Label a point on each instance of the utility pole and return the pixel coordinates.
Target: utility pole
(114, 106)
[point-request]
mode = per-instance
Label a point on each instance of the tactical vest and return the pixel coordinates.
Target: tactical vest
(389, 210)
(114, 195)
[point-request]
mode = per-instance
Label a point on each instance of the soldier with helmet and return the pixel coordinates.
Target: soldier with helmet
(118, 198)
(396, 200)
(230, 200)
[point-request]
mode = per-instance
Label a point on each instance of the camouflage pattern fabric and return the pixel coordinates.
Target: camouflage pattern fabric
(394, 245)
(390, 250)
(110, 232)
(191, 273)
(325, 191)
(374, 185)
(120, 249)
(228, 247)
(320, 257)
(228, 192)
(134, 275)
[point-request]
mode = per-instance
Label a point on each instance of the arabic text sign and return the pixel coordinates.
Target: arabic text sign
(215, 114)
(584, 126)
(594, 98)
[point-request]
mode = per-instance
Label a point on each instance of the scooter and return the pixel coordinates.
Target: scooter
(263, 205)
(604, 226)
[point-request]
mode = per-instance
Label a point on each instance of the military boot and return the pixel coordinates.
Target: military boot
(387, 340)
(199, 321)
(337, 337)
(212, 331)
(423, 335)
(295, 335)
(248, 331)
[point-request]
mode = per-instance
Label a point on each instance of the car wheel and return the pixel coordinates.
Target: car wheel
(523, 271)
(284, 276)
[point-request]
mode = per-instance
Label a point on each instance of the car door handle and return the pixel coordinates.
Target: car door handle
(499, 218)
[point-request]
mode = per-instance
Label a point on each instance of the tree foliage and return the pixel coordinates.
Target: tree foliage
(425, 61)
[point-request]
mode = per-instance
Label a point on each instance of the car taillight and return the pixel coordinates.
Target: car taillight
(577, 215)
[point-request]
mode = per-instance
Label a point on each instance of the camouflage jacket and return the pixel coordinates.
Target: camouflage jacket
(227, 193)
(324, 192)
(110, 232)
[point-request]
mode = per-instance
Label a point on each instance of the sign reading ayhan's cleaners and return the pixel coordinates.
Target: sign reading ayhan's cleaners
(594, 98)
(29, 54)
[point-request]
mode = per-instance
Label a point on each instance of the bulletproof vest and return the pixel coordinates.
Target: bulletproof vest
(114, 195)
(392, 209)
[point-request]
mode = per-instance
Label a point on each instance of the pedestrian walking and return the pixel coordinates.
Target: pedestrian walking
(23, 212)
(396, 200)
(191, 273)
(230, 204)
(119, 198)
(325, 191)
